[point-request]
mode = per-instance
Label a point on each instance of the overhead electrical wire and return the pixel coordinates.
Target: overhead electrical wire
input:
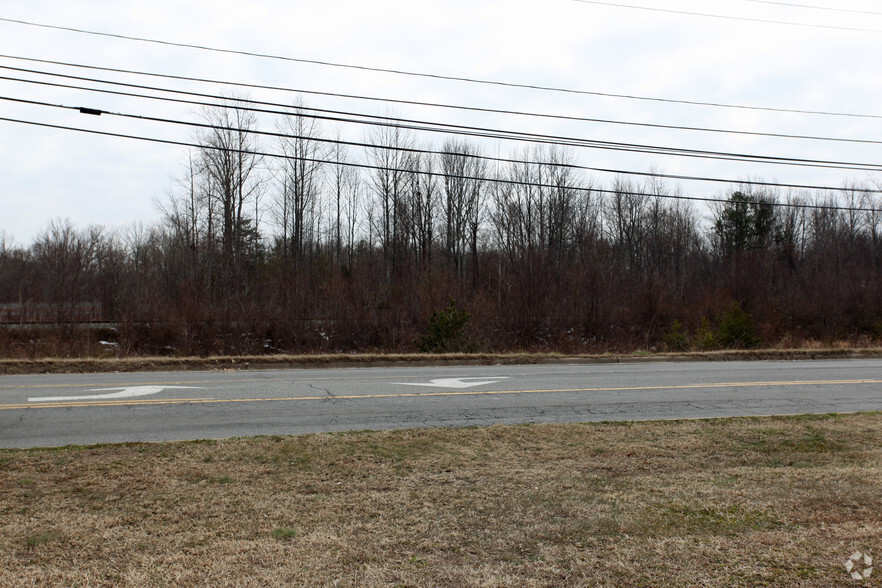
(504, 181)
(811, 7)
(318, 139)
(408, 102)
(489, 133)
(512, 135)
(421, 74)
(728, 17)
(478, 131)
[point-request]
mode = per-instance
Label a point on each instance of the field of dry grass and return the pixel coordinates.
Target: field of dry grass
(741, 502)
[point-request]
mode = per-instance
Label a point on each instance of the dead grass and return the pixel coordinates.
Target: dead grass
(741, 502)
(141, 364)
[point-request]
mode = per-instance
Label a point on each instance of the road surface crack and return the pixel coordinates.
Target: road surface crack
(324, 390)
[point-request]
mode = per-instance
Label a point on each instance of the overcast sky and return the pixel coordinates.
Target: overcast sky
(90, 179)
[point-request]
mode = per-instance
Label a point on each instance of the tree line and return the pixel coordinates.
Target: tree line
(310, 253)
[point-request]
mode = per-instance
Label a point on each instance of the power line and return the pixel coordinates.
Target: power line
(412, 150)
(727, 17)
(436, 174)
(431, 76)
(488, 133)
(826, 8)
(414, 102)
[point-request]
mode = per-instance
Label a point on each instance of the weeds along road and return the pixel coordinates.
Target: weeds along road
(57, 410)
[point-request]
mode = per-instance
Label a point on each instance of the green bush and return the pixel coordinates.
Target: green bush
(705, 338)
(735, 329)
(445, 332)
(676, 339)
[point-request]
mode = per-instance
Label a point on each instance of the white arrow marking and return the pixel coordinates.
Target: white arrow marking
(456, 382)
(123, 393)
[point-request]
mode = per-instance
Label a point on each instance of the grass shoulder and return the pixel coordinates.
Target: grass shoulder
(747, 501)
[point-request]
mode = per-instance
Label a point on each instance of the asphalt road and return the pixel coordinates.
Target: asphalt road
(56, 410)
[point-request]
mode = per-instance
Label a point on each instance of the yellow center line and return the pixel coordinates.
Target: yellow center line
(161, 401)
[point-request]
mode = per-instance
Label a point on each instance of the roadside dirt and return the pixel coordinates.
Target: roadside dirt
(146, 364)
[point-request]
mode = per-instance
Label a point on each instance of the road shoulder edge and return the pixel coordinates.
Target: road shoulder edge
(238, 363)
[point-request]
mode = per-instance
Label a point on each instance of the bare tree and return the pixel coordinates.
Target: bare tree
(515, 221)
(68, 259)
(420, 205)
(345, 187)
(538, 207)
(186, 209)
(627, 217)
(229, 168)
(564, 206)
(389, 182)
(462, 202)
(297, 204)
